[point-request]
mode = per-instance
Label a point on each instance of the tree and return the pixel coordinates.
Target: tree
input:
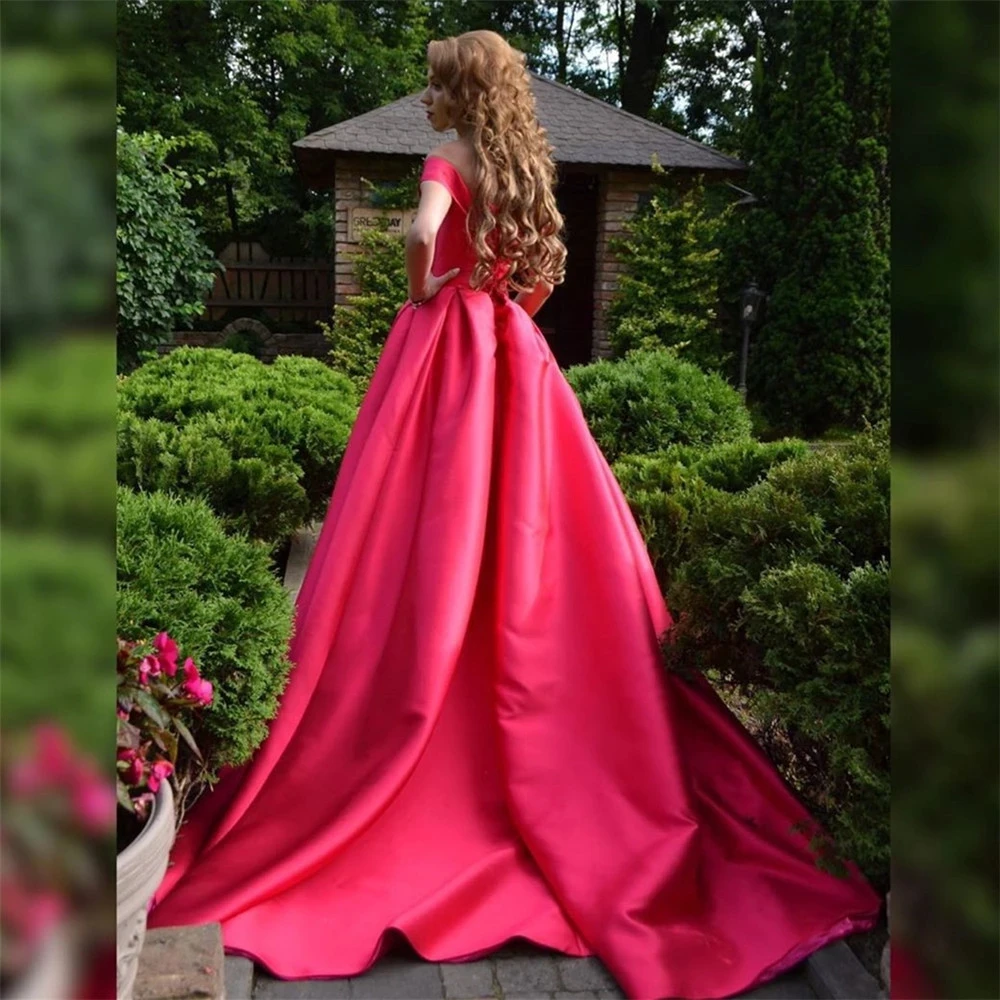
(243, 80)
(164, 268)
(819, 240)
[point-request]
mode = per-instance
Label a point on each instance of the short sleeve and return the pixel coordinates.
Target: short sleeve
(438, 169)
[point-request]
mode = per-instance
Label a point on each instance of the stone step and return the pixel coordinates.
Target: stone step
(181, 963)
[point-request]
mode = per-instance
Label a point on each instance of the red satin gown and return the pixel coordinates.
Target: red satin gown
(479, 740)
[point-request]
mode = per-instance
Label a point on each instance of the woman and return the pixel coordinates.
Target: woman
(479, 739)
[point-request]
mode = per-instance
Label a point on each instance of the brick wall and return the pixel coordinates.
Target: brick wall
(348, 193)
(617, 200)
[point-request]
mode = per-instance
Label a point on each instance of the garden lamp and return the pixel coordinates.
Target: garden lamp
(751, 299)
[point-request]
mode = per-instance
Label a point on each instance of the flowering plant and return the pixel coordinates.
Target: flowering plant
(57, 818)
(154, 697)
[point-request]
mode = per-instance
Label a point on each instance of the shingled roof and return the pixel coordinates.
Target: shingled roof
(581, 128)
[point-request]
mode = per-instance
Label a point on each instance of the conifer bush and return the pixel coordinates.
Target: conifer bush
(360, 327)
(260, 443)
(669, 291)
(214, 592)
(781, 596)
(650, 399)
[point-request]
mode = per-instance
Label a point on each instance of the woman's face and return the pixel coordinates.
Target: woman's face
(438, 104)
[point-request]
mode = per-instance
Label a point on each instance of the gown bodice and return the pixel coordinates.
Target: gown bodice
(453, 246)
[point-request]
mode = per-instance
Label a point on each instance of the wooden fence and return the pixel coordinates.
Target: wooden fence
(276, 289)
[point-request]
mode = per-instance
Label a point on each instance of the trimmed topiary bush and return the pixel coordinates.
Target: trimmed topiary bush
(260, 443)
(180, 571)
(650, 399)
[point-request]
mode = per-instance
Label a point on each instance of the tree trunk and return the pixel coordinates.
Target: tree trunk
(652, 23)
(561, 41)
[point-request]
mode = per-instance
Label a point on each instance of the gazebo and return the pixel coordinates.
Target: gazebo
(604, 157)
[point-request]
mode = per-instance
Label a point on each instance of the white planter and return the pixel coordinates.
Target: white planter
(141, 867)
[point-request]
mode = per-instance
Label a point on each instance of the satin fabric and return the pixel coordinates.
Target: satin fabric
(479, 740)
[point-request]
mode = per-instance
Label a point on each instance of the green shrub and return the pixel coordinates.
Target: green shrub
(242, 342)
(782, 594)
(669, 291)
(179, 571)
(164, 268)
(56, 439)
(664, 488)
(650, 399)
(261, 443)
(359, 329)
(825, 643)
(58, 614)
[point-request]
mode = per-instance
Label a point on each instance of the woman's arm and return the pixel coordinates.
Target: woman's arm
(434, 203)
(532, 301)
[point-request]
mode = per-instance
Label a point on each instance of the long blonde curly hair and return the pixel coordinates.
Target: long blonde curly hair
(514, 218)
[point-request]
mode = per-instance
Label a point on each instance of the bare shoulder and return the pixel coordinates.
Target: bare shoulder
(461, 156)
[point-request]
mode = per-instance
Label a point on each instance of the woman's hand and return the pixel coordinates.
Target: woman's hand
(433, 285)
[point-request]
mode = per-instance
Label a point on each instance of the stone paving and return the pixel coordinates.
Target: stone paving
(515, 972)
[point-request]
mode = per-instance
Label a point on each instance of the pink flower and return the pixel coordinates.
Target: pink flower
(149, 666)
(121, 713)
(161, 770)
(134, 773)
(200, 690)
(94, 802)
(166, 651)
(51, 763)
(29, 910)
(196, 686)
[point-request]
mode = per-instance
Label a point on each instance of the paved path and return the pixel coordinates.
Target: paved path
(515, 972)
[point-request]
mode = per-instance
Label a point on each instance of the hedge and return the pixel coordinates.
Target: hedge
(180, 571)
(781, 593)
(260, 443)
(650, 399)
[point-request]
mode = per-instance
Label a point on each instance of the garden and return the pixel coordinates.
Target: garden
(766, 516)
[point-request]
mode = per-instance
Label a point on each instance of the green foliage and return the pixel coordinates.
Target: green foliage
(665, 488)
(650, 399)
(782, 590)
(58, 70)
(243, 81)
(57, 616)
(56, 439)
(180, 571)
(668, 293)
(945, 694)
(826, 656)
(818, 240)
(242, 342)
(357, 334)
(56, 570)
(261, 443)
(395, 194)
(164, 269)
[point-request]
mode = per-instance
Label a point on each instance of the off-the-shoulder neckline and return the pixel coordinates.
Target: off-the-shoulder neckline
(455, 170)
